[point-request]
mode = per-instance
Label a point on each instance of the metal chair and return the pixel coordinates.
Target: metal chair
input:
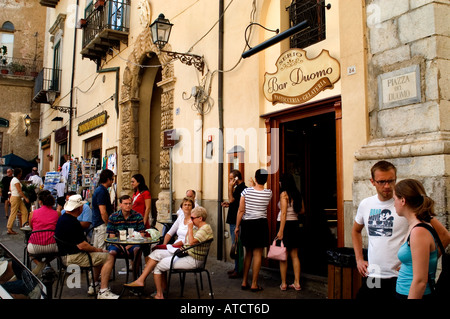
(200, 251)
(43, 240)
(62, 267)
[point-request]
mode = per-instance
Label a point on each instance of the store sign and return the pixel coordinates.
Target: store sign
(299, 79)
(92, 123)
(400, 87)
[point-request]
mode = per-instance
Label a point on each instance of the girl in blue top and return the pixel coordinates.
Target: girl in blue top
(418, 255)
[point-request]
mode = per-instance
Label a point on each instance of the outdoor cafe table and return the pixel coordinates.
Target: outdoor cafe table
(131, 241)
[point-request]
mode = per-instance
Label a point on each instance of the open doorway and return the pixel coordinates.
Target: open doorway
(309, 154)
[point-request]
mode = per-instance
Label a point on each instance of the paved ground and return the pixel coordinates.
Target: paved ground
(223, 287)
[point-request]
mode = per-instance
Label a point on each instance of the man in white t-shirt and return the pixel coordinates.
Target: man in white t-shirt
(386, 232)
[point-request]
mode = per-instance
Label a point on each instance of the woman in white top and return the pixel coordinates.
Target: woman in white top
(180, 228)
(288, 230)
(252, 218)
(16, 202)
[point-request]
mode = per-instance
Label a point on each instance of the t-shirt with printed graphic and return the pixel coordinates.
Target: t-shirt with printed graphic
(386, 231)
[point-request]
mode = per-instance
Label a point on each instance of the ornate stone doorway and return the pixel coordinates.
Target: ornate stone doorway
(129, 156)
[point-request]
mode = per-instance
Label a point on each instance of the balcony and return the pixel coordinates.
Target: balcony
(106, 25)
(47, 81)
(16, 67)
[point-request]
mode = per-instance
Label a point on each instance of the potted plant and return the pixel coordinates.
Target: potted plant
(29, 190)
(99, 4)
(17, 68)
(3, 59)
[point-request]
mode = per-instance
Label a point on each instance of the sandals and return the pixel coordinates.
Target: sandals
(298, 288)
(283, 288)
(256, 289)
(11, 232)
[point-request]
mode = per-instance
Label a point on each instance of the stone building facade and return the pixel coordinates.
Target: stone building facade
(389, 100)
(22, 33)
(412, 39)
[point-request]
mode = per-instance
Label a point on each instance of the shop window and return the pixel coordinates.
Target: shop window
(314, 12)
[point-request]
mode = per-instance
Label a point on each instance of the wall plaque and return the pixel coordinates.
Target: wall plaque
(400, 87)
(298, 78)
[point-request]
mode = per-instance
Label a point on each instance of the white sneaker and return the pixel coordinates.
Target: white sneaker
(91, 289)
(107, 294)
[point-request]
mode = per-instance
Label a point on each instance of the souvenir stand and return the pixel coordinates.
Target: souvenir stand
(50, 181)
(83, 177)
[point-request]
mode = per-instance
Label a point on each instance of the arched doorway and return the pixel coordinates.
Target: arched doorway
(133, 130)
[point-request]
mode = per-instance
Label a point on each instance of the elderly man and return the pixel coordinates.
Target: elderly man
(70, 231)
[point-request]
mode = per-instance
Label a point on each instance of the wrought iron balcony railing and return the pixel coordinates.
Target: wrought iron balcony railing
(106, 25)
(48, 80)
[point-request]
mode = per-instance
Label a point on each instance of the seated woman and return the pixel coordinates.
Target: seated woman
(180, 228)
(204, 232)
(44, 218)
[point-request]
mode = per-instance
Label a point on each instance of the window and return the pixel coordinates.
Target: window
(7, 38)
(4, 122)
(314, 12)
(56, 66)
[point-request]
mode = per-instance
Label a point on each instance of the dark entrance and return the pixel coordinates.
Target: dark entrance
(309, 153)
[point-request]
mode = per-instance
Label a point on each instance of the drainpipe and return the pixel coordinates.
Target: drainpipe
(69, 144)
(220, 109)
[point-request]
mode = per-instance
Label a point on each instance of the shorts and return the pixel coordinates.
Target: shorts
(82, 259)
(254, 233)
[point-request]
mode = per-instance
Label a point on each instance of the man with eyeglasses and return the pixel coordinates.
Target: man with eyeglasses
(124, 219)
(386, 233)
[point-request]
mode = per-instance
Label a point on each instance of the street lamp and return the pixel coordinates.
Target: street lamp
(161, 29)
(27, 124)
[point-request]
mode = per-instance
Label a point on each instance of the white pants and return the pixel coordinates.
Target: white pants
(187, 262)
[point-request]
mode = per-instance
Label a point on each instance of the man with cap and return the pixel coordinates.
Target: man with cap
(70, 231)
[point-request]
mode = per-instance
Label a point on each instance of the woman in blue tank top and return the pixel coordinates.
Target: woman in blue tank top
(420, 251)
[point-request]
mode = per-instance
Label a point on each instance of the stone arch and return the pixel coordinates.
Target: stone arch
(129, 107)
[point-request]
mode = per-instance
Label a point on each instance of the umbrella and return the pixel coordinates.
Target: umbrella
(16, 161)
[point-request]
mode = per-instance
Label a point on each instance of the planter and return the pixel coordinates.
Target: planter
(19, 73)
(82, 23)
(4, 71)
(34, 74)
(99, 4)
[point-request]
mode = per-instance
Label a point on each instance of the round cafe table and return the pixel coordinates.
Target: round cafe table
(131, 241)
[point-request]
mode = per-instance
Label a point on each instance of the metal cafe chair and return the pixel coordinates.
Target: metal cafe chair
(201, 251)
(62, 268)
(43, 240)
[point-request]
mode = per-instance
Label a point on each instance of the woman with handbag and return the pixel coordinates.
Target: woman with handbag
(291, 206)
(252, 218)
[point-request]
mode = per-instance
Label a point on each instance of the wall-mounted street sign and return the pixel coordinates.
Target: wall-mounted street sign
(298, 78)
(400, 87)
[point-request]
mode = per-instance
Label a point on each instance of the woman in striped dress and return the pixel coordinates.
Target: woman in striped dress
(254, 227)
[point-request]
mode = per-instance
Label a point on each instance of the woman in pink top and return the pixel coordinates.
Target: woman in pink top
(44, 218)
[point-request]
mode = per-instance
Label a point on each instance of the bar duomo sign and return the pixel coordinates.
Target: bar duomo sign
(299, 79)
